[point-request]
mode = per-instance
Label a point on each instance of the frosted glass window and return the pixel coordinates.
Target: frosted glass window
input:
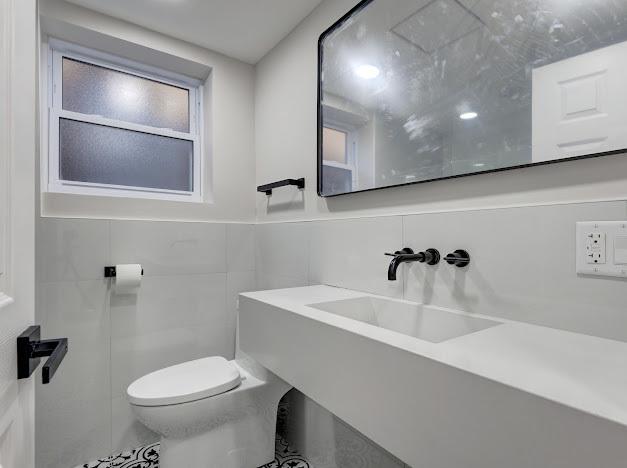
(107, 155)
(118, 128)
(334, 145)
(96, 90)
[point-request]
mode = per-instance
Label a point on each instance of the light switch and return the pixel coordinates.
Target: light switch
(602, 248)
(620, 250)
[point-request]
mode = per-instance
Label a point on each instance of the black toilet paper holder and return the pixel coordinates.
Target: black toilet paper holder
(109, 272)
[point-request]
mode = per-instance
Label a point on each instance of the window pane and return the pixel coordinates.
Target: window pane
(336, 180)
(107, 155)
(90, 89)
(334, 145)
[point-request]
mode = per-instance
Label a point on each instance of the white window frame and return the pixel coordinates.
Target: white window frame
(50, 165)
(351, 150)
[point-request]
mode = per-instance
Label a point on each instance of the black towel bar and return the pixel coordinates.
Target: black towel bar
(300, 183)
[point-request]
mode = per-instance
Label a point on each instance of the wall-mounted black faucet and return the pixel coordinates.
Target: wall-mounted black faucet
(429, 256)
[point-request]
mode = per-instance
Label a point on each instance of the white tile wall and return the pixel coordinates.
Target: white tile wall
(74, 410)
(522, 267)
(67, 430)
(78, 311)
(241, 262)
(128, 432)
(71, 249)
(236, 282)
(185, 309)
(282, 255)
(350, 253)
(240, 243)
(170, 248)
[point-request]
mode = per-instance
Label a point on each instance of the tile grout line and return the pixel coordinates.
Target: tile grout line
(309, 236)
(227, 268)
(405, 271)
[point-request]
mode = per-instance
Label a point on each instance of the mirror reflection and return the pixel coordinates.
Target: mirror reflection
(417, 90)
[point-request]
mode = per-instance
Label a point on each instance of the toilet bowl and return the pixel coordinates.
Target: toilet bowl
(210, 413)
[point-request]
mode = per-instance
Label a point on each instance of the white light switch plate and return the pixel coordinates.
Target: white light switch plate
(602, 248)
(620, 250)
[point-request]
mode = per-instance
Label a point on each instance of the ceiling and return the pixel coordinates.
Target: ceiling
(242, 29)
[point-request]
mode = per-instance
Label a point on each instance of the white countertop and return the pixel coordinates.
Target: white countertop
(584, 372)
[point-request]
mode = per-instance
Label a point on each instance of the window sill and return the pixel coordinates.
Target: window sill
(89, 190)
(68, 205)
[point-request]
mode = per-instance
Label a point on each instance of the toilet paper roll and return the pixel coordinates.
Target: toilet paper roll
(127, 278)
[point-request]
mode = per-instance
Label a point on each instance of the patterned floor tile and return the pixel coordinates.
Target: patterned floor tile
(148, 457)
(285, 457)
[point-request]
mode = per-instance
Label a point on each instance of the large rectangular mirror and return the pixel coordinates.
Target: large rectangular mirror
(418, 90)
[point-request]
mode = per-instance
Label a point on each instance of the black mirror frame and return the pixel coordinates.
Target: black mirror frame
(356, 9)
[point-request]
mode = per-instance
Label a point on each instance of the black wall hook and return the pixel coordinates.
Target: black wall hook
(30, 350)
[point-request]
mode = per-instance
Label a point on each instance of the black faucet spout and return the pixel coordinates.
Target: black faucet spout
(402, 256)
(396, 261)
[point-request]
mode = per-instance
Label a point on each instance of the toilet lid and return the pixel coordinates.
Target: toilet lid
(189, 381)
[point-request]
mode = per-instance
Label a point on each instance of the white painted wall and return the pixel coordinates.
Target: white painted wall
(228, 132)
(285, 104)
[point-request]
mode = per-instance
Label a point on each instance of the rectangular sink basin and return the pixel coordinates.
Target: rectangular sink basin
(419, 321)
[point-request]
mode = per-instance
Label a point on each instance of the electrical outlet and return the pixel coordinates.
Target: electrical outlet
(602, 248)
(596, 247)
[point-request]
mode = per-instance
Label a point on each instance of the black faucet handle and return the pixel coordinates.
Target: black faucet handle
(398, 253)
(430, 256)
(460, 258)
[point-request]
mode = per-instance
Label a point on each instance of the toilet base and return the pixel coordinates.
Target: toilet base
(247, 443)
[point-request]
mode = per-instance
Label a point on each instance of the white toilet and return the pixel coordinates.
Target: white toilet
(210, 413)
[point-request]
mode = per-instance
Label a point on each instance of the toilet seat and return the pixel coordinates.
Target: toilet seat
(186, 382)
